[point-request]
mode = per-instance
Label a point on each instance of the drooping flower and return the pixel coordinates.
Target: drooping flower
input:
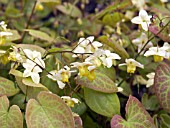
(157, 52)
(131, 65)
(61, 76)
(143, 19)
(86, 46)
(70, 101)
(141, 41)
(150, 81)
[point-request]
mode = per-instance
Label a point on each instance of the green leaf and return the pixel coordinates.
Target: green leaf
(7, 87)
(112, 19)
(47, 1)
(16, 73)
(110, 72)
(115, 46)
(165, 119)
(50, 109)
(30, 91)
(150, 103)
(102, 103)
(162, 85)
(15, 36)
(39, 34)
(117, 5)
(137, 116)
(10, 117)
(70, 9)
(18, 100)
(102, 83)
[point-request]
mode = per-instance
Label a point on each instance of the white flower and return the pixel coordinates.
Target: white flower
(143, 19)
(5, 34)
(131, 65)
(3, 25)
(157, 53)
(70, 101)
(141, 41)
(60, 76)
(31, 69)
(139, 3)
(86, 46)
(108, 58)
(150, 81)
(163, 1)
(35, 57)
(166, 46)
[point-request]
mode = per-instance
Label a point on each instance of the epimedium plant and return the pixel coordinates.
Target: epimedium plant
(84, 64)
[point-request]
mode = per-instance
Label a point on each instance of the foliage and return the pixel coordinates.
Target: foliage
(85, 63)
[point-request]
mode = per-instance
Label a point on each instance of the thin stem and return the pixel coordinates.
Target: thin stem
(29, 21)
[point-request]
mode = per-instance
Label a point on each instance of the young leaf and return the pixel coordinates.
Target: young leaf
(7, 87)
(102, 83)
(115, 46)
(137, 116)
(48, 111)
(102, 103)
(162, 85)
(10, 117)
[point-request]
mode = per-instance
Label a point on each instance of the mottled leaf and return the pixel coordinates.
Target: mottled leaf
(10, 117)
(48, 111)
(102, 83)
(137, 116)
(162, 85)
(115, 46)
(163, 35)
(106, 104)
(7, 87)
(165, 119)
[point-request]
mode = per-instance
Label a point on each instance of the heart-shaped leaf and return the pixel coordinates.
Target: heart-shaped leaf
(10, 117)
(48, 111)
(162, 85)
(106, 104)
(102, 83)
(137, 116)
(7, 87)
